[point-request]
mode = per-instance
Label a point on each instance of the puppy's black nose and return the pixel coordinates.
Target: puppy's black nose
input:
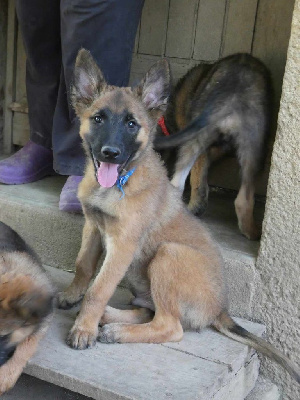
(110, 152)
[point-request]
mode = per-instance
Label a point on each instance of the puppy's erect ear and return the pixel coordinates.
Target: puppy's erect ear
(88, 81)
(154, 89)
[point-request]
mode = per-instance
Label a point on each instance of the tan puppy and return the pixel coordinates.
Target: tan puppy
(169, 258)
(26, 304)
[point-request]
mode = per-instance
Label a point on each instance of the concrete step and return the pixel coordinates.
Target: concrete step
(202, 366)
(264, 390)
(32, 210)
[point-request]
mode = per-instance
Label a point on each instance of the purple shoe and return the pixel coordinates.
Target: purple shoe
(68, 200)
(31, 163)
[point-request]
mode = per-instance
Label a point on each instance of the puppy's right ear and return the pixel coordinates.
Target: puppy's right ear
(88, 81)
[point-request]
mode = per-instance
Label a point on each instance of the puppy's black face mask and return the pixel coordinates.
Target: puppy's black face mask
(112, 142)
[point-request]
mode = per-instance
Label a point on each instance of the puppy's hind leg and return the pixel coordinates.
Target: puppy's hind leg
(163, 328)
(86, 264)
(136, 316)
(166, 325)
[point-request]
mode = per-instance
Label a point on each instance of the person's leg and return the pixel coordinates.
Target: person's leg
(40, 27)
(107, 28)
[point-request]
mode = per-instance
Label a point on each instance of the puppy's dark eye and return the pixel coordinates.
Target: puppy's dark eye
(131, 124)
(98, 119)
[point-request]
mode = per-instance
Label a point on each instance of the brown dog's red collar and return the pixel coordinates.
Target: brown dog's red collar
(162, 124)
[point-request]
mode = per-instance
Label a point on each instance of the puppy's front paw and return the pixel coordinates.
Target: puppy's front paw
(81, 339)
(110, 333)
(66, 301)
(8, 378)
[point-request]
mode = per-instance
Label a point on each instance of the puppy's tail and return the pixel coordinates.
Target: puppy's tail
(226, 325)
(194, 129)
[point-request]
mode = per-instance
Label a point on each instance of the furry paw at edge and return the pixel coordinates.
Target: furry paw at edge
(110, 333)
(66, 302)
(81, 339)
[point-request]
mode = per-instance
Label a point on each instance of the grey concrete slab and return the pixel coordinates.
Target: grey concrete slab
(200, 367)
(217, 347)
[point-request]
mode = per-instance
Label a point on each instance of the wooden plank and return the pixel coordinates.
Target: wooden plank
(142, 63)
(21, 131)
(271, 37)
(154, 27)
(20, 122)
(137, 38)
(181, 28)
(10, 78)
(19, 107)
(209, 30)
(239, 26)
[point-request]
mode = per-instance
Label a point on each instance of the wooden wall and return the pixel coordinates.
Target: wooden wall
(189, 32)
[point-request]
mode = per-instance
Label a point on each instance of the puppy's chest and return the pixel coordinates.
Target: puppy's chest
(103, 201)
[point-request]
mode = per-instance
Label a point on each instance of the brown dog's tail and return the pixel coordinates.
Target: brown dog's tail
(226, 325)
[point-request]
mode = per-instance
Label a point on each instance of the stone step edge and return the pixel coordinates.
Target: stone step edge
(264, 390)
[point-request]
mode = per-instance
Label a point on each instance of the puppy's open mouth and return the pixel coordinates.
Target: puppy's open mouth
(108, 173)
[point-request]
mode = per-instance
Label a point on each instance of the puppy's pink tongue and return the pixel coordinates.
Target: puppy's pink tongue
(107, 174)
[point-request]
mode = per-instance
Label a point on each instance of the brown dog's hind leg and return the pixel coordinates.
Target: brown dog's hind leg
(187, 155)
(244, 204)
(86, 264)
(137, 316)
(199, 187)
(250, 157)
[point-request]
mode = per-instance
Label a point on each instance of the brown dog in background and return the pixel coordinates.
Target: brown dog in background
(26, 304)
(134, 214)
(214, 110)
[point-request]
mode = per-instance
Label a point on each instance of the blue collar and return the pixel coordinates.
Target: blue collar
(123, 179)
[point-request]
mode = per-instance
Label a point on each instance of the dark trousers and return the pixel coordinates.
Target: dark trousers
(53, 31)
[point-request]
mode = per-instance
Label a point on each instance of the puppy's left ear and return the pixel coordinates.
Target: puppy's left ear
(88, 81)
(155, 88)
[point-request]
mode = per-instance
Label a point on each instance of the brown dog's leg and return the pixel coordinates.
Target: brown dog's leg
(86, 264)
(163, 328)
(85, 330)
(244, 204)
(250, 159)
(12, 369)
(199, 187)
(136, 316)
